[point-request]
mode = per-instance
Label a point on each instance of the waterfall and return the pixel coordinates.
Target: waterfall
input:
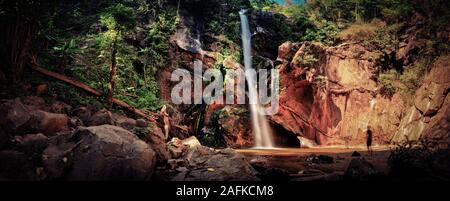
(261, 129)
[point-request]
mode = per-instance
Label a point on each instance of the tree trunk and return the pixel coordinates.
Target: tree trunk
(112, 72)
(89, 89)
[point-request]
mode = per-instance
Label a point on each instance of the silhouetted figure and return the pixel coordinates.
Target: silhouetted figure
(369, 140)
(163, 113)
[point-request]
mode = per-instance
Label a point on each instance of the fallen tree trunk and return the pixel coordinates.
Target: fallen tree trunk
(67, 80)
(89, 89)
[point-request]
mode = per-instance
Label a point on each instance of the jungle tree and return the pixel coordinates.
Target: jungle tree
(118, 20)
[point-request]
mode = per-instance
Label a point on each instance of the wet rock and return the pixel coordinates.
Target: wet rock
(99, 153)
(361, 170)
(306, 143)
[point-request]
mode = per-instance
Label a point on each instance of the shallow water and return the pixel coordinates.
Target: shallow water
(307, 151)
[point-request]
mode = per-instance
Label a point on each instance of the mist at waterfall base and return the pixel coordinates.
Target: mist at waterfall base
(261, 129)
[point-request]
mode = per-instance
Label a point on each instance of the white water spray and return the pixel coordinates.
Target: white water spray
(261, 129)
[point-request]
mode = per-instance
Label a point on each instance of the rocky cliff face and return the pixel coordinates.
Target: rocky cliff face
(329, 95)
(429, 117)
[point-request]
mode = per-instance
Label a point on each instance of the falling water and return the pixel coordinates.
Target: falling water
(261, 129)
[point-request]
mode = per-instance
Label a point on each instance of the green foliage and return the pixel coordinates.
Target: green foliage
(211, 139)
(385, 38)
(224, 21)
(263, 5)
(309, 23)
(119, 18)
(324, 32)
(420, 161)
(156, 52)
(358, 32)
(67, 48)
(405, 83)
(141, 132)
(412, 77)
(308, 59)
(387, 80)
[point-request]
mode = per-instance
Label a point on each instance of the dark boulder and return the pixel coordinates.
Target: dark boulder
(15, 166)
(361, 170)
(32, 144)
(206, 164)
(50, 123)
(101, 117)
(99, 153)
(356, 154)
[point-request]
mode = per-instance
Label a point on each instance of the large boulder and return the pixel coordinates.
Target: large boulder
(99, 153)
(15, 119)
(19, 119)
(101, 117)
(32, 144)
(15, 166)
(50, 123)
(206, 164)
(361, 170)
(124, 122)
(105, 117)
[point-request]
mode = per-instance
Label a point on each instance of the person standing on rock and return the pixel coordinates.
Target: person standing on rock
(369, 140)
(163, 113)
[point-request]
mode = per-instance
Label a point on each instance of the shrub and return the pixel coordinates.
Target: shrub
(358, 32)
(386, 80)
(418, 161)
